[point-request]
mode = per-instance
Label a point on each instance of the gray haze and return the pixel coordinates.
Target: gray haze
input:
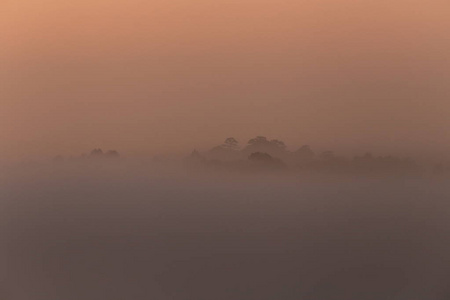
(146, 230)
(283, 101)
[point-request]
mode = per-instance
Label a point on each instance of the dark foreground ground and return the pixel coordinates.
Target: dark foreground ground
(101, 233)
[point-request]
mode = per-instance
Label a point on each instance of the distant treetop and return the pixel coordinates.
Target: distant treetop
(97, 153)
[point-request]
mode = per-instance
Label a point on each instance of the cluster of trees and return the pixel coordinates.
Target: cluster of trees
(98, 153)
(260, 152)
(94, 154)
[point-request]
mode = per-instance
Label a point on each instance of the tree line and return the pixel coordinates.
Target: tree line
(263, 153)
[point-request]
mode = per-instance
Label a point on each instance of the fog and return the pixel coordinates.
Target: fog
(157, 76)
(219, 149)
(150, 230)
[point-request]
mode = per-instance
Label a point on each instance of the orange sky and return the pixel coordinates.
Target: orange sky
(153, 76)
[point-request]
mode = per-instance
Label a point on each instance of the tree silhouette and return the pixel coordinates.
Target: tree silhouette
(258, 140)
(112, 154)
(96, 152)
(227, 151)
(260, 157)
(265, 161)
(262, 144)
(231, 143)
(304, 153)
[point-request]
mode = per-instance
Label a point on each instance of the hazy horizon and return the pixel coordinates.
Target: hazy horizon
(168, 76)
(266, 219)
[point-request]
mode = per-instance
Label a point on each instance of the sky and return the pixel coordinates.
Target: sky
(150, 77)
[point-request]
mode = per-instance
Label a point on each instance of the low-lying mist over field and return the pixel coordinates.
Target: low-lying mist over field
(224, 150)
(124, 228)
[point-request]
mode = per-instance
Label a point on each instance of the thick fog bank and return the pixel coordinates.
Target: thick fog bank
(134, 230)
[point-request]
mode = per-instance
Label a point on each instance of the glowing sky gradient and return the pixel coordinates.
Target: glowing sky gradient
(155, 76)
